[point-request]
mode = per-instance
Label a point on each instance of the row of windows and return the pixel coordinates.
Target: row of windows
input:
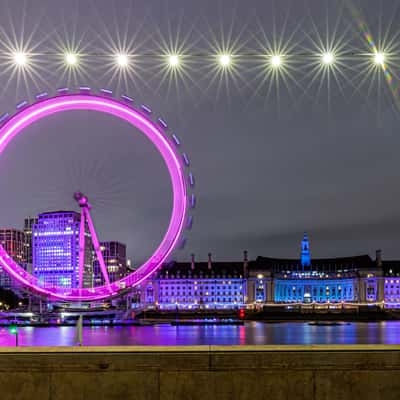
(204, 285)
(203, 281)
(202, 288)
(196, 300)
(12, 235)
(392, 286)
(49, 244)
(236, 294)
(316, 299)
(54, 269)
(217, 292)
(321, 290)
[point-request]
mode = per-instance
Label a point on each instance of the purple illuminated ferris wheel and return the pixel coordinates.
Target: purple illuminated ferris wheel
(167, 145)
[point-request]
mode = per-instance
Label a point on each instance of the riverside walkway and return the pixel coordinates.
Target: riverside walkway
(201, 372)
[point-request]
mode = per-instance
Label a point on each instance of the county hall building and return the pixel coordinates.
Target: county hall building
(354, 280)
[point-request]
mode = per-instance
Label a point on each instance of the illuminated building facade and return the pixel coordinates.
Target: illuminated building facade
(114, 255)
(195, 285)
(391, 271)
(305, 252)
(355, 280)
(55, 245)
(308, 288)
(327, 280)
(13, 241)
(210, 284)
(28, 225)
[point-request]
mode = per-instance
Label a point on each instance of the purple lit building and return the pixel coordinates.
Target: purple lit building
(114, 254)
(192, 285)
(55, 250)
(13, 241)
(391, 270)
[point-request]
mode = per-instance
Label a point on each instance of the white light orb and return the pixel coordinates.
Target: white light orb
(225, 60)
(379, 58)
(122, 60)
(71, 59)
(173, 60)
(20, 58)
(328, 58)
(276, 60)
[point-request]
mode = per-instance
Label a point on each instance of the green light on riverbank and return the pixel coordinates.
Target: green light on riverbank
(13, 329)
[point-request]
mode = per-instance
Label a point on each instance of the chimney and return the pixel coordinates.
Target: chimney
(209, 261)
(245, 263)
(192, 263)
(378, 258)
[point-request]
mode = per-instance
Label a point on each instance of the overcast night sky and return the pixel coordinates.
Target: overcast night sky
(274, 153)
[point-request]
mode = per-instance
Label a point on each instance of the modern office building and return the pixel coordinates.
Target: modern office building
(28, 225)
(55, 250)
(13, 241)
(114, 255)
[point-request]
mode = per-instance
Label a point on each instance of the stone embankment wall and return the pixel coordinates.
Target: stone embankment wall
(201, 372)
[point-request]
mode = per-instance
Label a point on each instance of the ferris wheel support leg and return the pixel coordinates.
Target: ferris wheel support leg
(81, 248)
(96, 246)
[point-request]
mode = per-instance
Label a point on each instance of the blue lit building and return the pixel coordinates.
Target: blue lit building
(305, 253)
(315, 287)
(55, 250)
(325, 280)
(355, 279)
(197, 285)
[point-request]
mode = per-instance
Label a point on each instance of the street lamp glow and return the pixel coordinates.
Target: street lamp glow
(379, 58)
(122, 60)
(276, 60)
(225, 60)
(328, 58)
(71, 59)
(20, 58)
(13, 330)
(173, 60)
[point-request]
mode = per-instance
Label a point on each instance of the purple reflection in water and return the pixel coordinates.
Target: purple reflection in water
(256, 333)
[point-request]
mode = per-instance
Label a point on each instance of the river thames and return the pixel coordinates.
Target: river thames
(251, 333)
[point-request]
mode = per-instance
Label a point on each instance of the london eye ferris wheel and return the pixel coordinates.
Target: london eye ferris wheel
(165, 142)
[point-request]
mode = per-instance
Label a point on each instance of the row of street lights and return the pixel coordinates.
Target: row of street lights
(225, 60)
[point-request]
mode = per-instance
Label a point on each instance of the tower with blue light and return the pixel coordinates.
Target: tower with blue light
(305, 252)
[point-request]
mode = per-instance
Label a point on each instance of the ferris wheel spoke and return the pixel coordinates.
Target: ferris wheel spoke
(81, 249)
(96, 246)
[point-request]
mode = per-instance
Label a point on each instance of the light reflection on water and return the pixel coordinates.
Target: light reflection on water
(256, 333)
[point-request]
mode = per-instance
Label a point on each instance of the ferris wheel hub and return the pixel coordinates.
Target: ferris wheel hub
(82, 200)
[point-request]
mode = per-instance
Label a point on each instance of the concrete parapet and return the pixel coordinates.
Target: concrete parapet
(201, 372)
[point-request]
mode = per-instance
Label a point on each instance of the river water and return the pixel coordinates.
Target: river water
(255, 333)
